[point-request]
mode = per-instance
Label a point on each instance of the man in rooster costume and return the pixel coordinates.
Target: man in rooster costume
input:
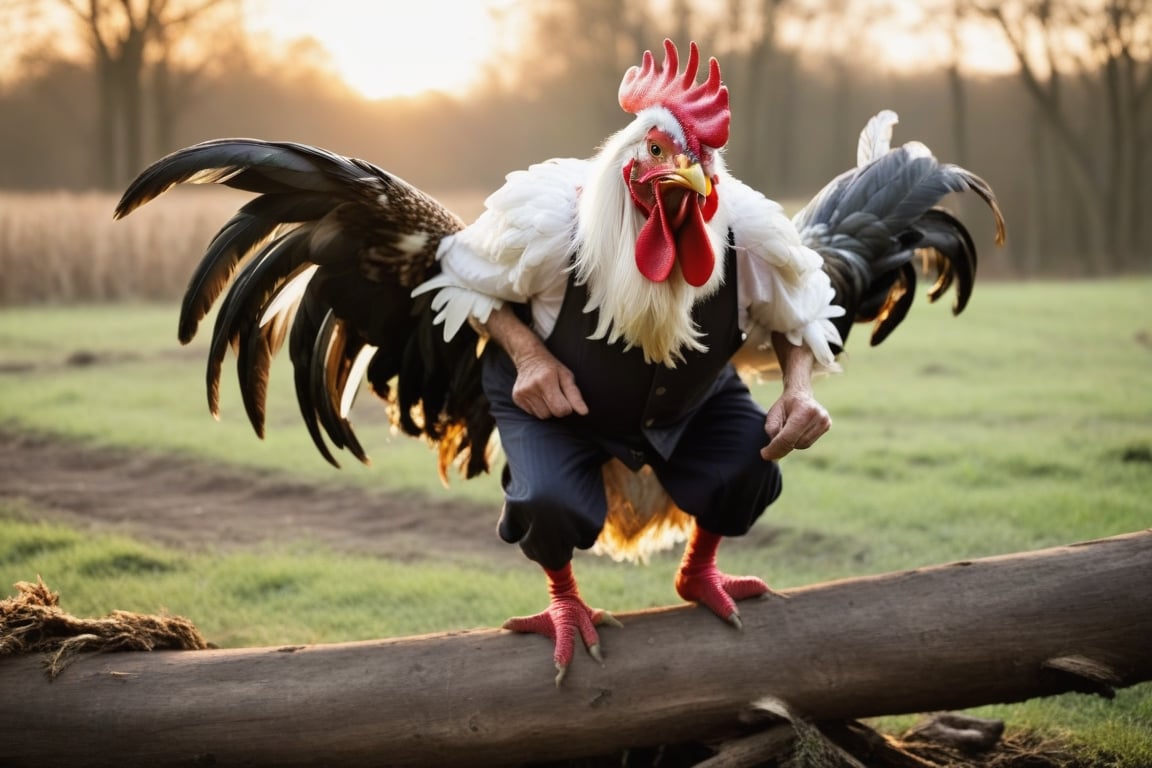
(640, 294)
(614, 291)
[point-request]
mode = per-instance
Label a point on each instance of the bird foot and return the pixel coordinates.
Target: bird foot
(705, 584)
(566, 617)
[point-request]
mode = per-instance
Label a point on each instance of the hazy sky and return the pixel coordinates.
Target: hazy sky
(391, 47)
(404, 47)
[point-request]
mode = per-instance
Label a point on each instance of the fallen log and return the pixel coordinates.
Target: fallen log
(1002, 629)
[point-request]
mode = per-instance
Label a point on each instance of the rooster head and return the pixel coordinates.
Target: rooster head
(671, 175)
(650, 219)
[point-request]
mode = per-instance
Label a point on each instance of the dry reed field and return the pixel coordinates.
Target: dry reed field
(65, 247)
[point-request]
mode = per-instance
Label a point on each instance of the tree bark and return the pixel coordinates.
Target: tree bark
(949, 637)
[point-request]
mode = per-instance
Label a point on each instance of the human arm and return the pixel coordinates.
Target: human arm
(796, 420)
(786, 299)
(544, 386)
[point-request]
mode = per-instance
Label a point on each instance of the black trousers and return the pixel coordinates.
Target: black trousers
(554, 497)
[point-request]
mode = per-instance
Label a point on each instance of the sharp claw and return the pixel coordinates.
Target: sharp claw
(717, 592)
(566, 618)
(607, 619)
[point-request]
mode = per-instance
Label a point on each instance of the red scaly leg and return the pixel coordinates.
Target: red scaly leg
(566, 615)
(699, 580)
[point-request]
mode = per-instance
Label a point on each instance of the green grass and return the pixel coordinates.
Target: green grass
(263, 596)
(1025, 423)
(145, 391)
(1002, 430)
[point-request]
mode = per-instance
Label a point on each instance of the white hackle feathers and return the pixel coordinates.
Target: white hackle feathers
(656, 317)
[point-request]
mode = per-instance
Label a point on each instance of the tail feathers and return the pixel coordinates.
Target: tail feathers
(875, 223)
(876, 138)
(941, 247)
(641, 519)
(948, 251)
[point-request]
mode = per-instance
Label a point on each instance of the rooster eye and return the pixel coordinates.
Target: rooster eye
(655, 150)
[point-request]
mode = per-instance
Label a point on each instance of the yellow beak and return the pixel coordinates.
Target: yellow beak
(690, 175)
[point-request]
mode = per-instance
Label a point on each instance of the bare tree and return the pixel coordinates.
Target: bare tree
(957, 94)
(837, 55)
(185, 50)
(131, 42)
(581, 68)
(1087, 66)
(767, 83)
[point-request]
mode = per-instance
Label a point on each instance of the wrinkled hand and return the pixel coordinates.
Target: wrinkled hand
(546, 388)
(795, 421)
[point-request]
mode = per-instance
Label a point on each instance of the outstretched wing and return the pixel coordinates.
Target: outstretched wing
(872, 224)
(326, 256)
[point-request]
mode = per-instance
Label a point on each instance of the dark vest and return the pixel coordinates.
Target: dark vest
(633, 401)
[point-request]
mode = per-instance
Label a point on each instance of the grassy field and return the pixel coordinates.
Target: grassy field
(1025, 423)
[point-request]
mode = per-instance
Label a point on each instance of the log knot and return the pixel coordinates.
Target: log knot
(1085, 675)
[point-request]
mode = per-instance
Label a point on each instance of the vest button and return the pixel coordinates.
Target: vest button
(661, 391)
(649, 422)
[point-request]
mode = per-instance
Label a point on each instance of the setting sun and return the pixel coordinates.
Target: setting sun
(392, 48)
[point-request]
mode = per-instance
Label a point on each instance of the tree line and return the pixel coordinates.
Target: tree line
(1063, 139)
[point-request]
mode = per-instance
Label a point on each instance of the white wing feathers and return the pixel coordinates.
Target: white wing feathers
(518, 248)
(782, 285)
(876, 138)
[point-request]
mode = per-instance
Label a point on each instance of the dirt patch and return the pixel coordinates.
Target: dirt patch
(199, 505)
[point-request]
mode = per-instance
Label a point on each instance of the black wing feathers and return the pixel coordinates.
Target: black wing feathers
(301, 347)
(255, 222)
(875, 224)
(335, 349)
(326, 257)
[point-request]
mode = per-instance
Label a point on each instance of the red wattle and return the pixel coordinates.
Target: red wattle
(656, 245)
(697, 259)
(712, 202)
(679, 233)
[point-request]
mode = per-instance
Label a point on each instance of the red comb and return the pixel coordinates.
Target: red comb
(701, 108)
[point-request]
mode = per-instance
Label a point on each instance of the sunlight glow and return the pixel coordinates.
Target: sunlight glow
(912, 37)
(392, 48)
(401, 48)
